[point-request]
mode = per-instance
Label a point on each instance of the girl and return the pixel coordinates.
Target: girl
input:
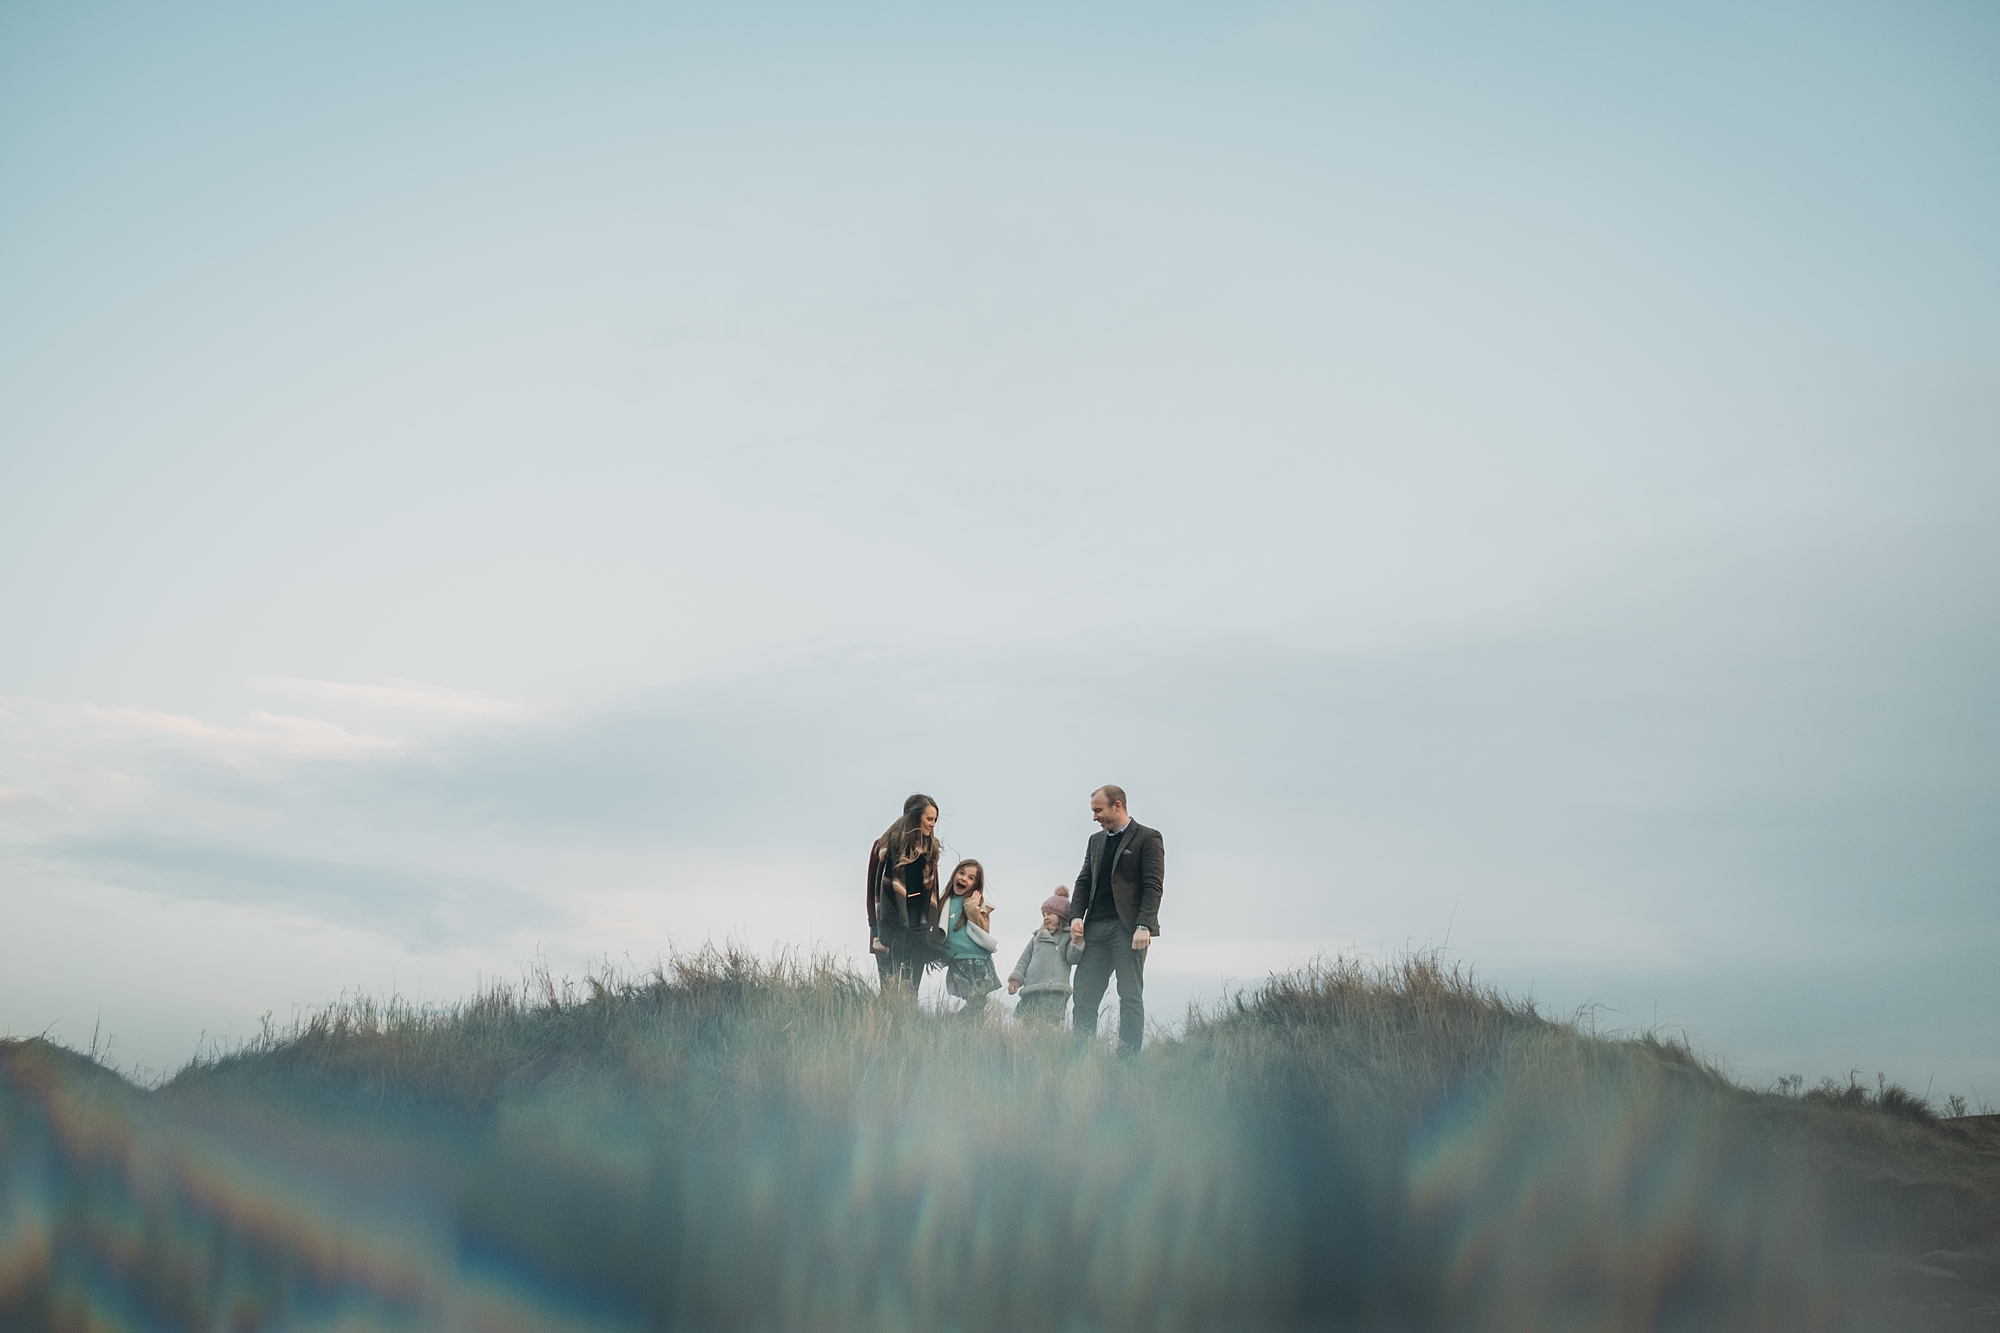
(1041, 978)
(969, 941)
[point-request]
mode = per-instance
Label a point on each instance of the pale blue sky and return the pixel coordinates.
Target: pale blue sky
(480, 480)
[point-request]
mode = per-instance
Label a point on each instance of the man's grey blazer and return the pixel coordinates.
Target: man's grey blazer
(1136, 880)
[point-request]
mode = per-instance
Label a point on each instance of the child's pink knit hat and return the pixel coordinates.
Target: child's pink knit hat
(1058, 902)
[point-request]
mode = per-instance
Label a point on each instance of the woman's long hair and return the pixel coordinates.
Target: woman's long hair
(904, 840)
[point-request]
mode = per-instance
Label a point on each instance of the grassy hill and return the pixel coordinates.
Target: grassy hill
(728, 1143)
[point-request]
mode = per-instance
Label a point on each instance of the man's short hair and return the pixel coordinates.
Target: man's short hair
(1112, 795)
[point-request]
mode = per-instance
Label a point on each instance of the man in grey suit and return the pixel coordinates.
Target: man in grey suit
(1117, 898)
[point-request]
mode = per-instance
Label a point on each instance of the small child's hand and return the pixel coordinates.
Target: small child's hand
(1013, 985)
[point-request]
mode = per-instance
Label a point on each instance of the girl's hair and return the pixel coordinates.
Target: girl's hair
(904, 840)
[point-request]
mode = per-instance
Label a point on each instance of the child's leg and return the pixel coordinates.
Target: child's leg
(977, 982)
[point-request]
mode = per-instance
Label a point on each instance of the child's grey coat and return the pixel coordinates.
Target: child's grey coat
(1046, 962)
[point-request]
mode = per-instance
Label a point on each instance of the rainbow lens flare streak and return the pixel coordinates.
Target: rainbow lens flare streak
(1607, 1213)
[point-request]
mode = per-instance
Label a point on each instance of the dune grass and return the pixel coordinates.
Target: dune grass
(733, 1142)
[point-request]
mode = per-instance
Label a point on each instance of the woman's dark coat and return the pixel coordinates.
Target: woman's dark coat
(878, 870)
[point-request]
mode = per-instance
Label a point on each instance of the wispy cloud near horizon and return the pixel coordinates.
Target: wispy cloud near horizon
(402, 695)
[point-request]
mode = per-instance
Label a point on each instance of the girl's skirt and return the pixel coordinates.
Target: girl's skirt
(967, 977)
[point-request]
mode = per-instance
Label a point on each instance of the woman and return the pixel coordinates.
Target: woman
(903, 903)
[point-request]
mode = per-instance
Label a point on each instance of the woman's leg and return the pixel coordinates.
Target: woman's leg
(904, 973)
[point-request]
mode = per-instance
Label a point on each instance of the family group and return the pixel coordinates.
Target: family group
(1102, 928)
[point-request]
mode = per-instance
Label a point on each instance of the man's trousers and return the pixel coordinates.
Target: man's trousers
(1108, 952)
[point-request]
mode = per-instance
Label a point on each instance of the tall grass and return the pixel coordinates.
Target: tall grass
(727, 1142)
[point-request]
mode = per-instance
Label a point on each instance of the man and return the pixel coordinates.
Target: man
(1117, 899)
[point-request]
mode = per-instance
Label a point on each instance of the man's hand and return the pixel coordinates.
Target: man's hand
(1141, 938)
(1076, 929)
(876, 946)
(1013, 985)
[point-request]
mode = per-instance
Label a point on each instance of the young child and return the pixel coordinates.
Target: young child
(969, 941)
(1041, 978)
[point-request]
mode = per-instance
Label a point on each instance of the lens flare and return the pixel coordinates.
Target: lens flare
(708, 1151)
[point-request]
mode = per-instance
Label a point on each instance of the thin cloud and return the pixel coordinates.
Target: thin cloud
(410, 695)
(302, 737)
(434, 908)
(41, 729)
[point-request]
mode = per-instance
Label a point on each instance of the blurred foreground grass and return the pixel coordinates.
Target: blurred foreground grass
(733, 1143)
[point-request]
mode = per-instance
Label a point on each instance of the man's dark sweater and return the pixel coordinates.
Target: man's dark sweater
(1103, 907)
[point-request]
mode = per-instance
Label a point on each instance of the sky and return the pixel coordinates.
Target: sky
(487, 484)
